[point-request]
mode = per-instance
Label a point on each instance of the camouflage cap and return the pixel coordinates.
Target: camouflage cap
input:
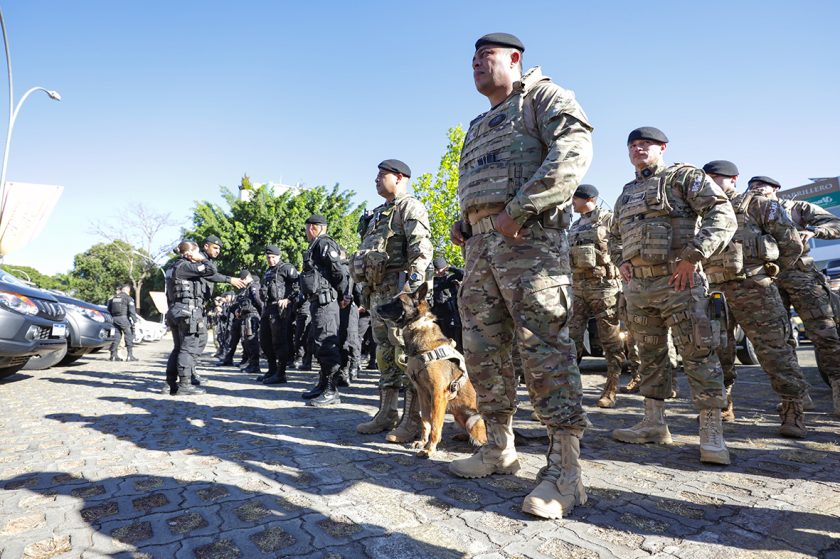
(395, 166)
(586, 191)
(501, 39)
(721, 167)
(648, 133)
(766, 180)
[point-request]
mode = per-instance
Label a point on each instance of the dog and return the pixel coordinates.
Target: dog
(437, 371)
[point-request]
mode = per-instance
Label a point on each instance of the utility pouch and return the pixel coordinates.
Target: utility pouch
(374, 262)
(325, 297)
(733, 259)
(805, 263)
(656, 242)
(180, 310)
(768, 248)
(309, 282)
(583, 257)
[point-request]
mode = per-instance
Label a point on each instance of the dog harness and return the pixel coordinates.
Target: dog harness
(447, 352)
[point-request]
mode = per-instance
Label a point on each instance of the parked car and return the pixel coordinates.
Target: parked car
(150, 331)
(32, 324)
(89, 328)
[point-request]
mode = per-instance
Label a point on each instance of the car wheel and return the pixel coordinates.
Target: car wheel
(9, 371)
(45, 361)
(746, 353)
(72, 358)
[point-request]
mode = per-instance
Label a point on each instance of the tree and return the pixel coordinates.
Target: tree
(60, 282)
(101, 268)
(246, 226)
(439, 193)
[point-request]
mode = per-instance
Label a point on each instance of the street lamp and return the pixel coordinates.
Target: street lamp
(13, 111)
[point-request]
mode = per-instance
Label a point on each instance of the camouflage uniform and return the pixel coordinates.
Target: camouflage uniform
(807, 289)
(596, 291)
(655, 223)
(765, 234)
(527, 155)
(396, 249)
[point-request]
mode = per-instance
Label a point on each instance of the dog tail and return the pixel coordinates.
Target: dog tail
(476, 429)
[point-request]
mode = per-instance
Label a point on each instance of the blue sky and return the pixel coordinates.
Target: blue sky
(163, 102)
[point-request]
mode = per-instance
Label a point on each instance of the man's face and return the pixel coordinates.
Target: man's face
(645, 153)
(272, 259)
(763, 189)
(386, 183)
(212, 250)
(494, 68)
(726, 183)
(581, 205)
(313, 231)
(440, 272)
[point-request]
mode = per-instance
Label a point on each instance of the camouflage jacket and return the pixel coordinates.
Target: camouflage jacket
(806, 215)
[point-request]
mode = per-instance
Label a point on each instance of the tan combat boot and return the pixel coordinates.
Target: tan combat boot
(498, 456)
(388, 415)
(561, 484)
(712, 446)
(728, 415)
(835, 394)
(409, 426)
(793, 419)
(652, 429)
(633, 386)
(607, 399)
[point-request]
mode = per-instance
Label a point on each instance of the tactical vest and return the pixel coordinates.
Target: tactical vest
(748, 251)
(118, 306)
(501, 150)
(312, 282)
(589, 252)
(654, 226)
(244, 302)
(188, 292)
(383, 247)
(270, 289)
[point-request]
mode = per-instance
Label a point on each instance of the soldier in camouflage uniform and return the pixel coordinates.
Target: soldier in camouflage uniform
(805, 287)
(666, 222)
(596, 285)
(765, 241)
(395, 254)
(521, 162)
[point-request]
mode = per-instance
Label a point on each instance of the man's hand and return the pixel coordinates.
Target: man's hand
(506, 226)
(237, 283)
(455, 234)
(626, 271)
(683, 275)
(806, 236)
(282, 304)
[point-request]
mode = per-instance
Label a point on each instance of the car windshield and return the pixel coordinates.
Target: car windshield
(9, 278)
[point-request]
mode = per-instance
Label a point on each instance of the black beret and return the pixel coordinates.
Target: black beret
(648, 133)
(316, 219)
(502, 39)
(272, 249)
(440, 262)
(721, 167)
(395, 166)
(766, 180)
(586, 191)
(243, 274)
(213, 240)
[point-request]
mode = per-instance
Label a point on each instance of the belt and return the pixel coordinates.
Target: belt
(487, 225)
(655, 271)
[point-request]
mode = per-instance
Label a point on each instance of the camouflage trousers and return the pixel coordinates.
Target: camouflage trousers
(390, 347)
(762, 316)
(652, 307)
(601, 302)
(515, 291)
(808, 293)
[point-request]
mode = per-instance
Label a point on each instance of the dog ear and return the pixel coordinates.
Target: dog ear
(422, 291)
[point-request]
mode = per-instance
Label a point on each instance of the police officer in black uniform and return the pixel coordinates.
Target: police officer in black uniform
(325, 282)
(121, 307)
(348, 334)
(245, 324)
(445, 299)
(279, 292)
(302, 349)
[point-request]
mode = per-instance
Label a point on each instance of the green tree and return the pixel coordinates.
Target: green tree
(262, 218)
(98, 270)
(439, 193)
(60, 282)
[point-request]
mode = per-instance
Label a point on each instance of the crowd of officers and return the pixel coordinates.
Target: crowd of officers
(682, 258)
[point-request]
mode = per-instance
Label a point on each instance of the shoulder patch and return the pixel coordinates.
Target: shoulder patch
(773, 210)
(698, 181)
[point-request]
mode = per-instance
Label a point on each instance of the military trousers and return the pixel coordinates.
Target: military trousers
(390, 347)
(517, 292)
(762, 316)
(808, 293)
(275, 340)
(593, 298)
(652, 307)
(324, 334)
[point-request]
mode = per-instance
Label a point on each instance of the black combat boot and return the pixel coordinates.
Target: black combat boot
(330, 396)
(223, 363)
(186, 388)
(343, 377)
(353, 369)
(318, 389)
(198, 380)
(131, 356)
(115, 356)
(277, 378)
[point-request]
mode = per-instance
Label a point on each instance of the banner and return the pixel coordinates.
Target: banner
(26, 209)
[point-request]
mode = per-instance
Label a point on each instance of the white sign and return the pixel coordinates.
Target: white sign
(26, 209)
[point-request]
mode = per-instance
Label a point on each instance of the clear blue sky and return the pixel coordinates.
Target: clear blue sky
(165, 101)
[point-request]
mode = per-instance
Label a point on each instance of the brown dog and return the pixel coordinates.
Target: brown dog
(436, 370)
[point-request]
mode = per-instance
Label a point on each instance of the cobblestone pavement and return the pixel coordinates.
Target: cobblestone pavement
(95, 462)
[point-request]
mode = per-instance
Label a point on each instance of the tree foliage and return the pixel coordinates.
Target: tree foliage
(439, 193)
(246, 226)
(60, 282)
(102, 267)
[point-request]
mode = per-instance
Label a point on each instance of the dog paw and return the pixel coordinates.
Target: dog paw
(424, 453)
(418, 444)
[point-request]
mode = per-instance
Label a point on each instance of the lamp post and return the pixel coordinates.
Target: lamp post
(13, 111)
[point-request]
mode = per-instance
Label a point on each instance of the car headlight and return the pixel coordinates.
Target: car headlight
(87, 312)
(18, 303)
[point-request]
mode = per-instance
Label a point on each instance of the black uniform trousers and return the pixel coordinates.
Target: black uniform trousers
(275, 337)
(233, 336)
(180, 366)
(122, 326)
(348, 334)
(323, 333)
(249, 329)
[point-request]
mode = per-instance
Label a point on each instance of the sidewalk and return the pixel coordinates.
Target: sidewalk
(95, 462)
